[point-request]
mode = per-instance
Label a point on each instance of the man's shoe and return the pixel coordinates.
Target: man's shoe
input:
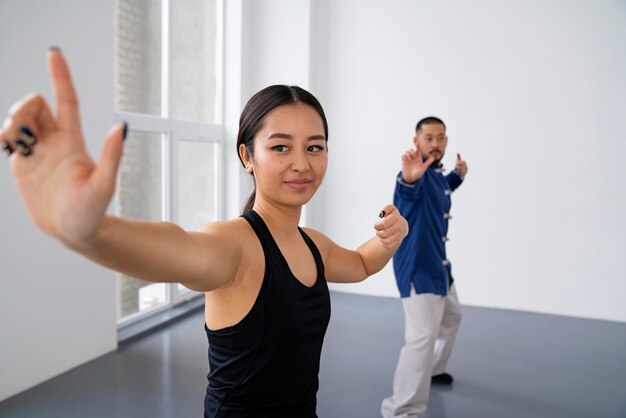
(442, 379)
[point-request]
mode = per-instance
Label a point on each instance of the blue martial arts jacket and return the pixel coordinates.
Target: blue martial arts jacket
(421, 258)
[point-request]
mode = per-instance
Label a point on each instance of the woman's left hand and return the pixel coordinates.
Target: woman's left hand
(392, 228)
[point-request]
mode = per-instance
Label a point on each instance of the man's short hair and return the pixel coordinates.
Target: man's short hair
(428, 121)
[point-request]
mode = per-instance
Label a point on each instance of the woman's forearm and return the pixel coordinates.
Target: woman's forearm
(153, 251)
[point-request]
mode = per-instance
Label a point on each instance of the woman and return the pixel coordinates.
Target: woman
(264, 278)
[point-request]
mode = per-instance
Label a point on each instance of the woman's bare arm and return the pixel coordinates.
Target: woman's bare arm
(346, 266)
(67, 194)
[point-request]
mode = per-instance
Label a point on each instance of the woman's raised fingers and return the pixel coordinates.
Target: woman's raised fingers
(68, 117)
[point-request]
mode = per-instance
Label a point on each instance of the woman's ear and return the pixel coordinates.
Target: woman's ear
(243, 154)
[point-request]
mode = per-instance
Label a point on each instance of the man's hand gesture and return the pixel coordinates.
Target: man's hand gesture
(461, 166)
(413, 167)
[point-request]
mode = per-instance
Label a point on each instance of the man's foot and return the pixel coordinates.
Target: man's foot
(442, 379)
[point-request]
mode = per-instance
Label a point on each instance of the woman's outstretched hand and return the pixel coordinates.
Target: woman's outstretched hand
(65, 192)
(392, 228)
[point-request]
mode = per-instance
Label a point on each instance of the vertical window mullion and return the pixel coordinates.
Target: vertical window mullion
(165, 59)
(219, 63)
(168, 138)
(166, 175)
(165, 108)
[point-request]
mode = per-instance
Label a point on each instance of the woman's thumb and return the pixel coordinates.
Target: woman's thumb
(105, 174)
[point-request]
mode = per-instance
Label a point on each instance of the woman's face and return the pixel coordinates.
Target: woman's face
(290, 155)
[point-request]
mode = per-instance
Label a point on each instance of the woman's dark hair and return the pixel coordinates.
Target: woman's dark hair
(259, 105)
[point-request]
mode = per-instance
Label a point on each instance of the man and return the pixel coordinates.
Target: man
(423, 273)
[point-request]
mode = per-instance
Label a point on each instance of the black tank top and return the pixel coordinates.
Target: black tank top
(267, 365)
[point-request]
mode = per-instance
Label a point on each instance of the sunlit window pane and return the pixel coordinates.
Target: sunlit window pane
(196, 184)
(140, 197)
(138, 56)
(194, 60)
(140, 181)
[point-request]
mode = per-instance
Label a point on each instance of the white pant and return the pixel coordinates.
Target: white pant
(431, 323)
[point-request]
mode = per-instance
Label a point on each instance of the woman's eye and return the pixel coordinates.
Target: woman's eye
(315, 148)
(280, 148)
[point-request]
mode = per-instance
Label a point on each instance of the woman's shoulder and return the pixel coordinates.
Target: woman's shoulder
(234, 239)
(231, 233)
(232, 228)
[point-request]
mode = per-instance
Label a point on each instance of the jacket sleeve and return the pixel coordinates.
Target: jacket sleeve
(454, 180)
(406, 194)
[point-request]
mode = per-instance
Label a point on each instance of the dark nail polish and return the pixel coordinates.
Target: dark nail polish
(125, 131)
(55, 48)
(23, 148)
(27, 136)
(7, 149)
(381, 214)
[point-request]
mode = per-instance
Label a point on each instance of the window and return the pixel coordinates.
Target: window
(168, 86)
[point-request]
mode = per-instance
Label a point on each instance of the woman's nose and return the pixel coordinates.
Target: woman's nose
(300, 162)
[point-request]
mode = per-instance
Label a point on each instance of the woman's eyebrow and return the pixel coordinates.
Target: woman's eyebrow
(280, 136)
(287, 136)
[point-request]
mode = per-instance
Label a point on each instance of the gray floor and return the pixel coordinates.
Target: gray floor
(506, 365)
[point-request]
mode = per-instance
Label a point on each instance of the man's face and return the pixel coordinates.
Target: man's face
(432, 141)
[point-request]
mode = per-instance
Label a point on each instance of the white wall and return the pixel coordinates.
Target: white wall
(57, 310)
(236, 45)
(534, 95)
(279, 43)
